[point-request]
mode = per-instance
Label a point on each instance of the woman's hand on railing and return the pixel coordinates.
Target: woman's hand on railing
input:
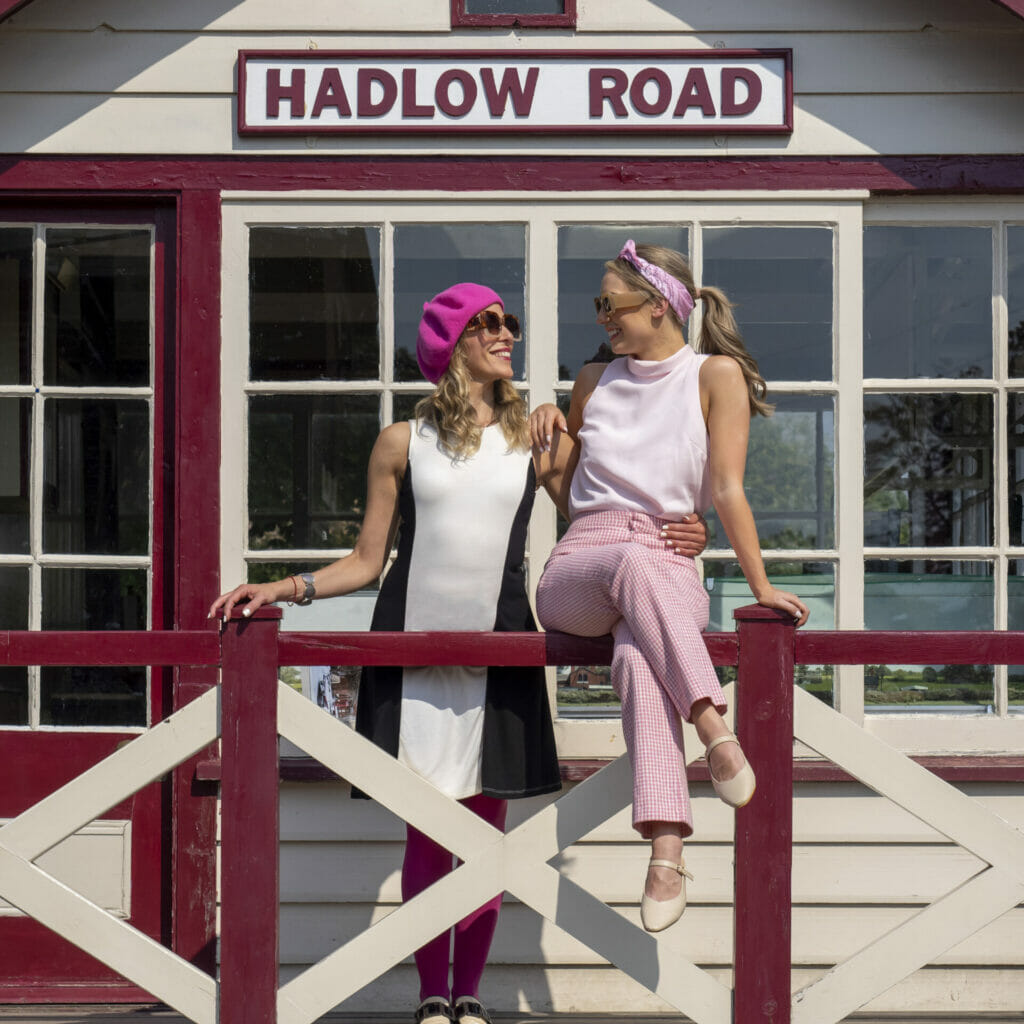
(255, 594)
(543, 421)
(784, 601)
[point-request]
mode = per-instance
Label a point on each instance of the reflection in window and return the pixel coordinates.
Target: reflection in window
(920, 594)
(927, 302)
(307, 469)
(13, 615)
(403, 405)
(15, 305)
(314, 308)
(96, 476)
(431, 257)
(583, 250)
(780, 279)
(927, 470)
(812, 582)
(1015, 465)
(96, 322)
(513, 6)
(790, 475)
(585, 691)
(1015, 298)
(15, 458)
(94, 599)
(1015, 621)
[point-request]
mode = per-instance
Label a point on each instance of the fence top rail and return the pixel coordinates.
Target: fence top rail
(869, 647)
(110, 648)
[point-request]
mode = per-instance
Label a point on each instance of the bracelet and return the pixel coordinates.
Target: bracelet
(295, 589)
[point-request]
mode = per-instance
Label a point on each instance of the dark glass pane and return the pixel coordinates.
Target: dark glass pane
(1015, 465)
(922, 594)
(307, 469)
(93, 599)
(403, 406)
(97, 307)
(927, 470)
(790, 476)
(927, 302)
(1015, 298)
(515, 6)
(314, 307)
(96, 495)
(583, 250)
(15, 458)
(780, 279)
(15, 305)
(13, 615)
(432, 257)
(1015, 621)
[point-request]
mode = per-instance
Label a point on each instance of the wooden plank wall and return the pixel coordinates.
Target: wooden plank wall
(861, 866)
(119, 76)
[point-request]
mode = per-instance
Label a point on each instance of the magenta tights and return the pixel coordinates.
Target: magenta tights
(426, 862)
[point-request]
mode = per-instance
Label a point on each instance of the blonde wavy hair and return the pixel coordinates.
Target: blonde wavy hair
(719, 332)
(449, 411)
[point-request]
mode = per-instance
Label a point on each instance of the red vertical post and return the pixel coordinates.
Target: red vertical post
(250, 820)
(764, 828)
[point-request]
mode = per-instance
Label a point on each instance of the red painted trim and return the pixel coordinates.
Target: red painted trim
(899, 648)
(116, 992)
(129, 647)
(764, 828)
(251, 827)
(437, 127)
(460, 19)
(196, 419)
(24, 177)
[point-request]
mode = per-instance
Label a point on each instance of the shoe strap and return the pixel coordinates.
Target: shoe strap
(718, 740)
(680, 867)
(435, 1006)
(467, 1006)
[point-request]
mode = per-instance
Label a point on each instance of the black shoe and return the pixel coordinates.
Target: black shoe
(434, 1010)
(469, 1011)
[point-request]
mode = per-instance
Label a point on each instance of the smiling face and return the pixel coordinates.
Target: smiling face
(488, 355)
(629, 329)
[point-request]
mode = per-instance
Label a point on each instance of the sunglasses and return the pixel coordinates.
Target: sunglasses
(493, 322)
(608, 304)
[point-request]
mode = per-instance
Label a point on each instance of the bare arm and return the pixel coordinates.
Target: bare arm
(727, 411)
(366, 561)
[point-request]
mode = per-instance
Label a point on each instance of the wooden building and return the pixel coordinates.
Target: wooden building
(218, 222)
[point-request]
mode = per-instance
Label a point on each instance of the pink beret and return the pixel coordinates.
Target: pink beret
(444, 319)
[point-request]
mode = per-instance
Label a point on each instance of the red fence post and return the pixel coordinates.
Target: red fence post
(250, 820)
(764, 828)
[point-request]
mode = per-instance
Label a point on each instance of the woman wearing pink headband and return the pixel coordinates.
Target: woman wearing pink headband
(458, 482)
(657, 433)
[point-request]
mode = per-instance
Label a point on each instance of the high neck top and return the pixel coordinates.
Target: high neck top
(644, 443)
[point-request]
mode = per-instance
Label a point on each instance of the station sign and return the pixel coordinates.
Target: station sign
(717, 92)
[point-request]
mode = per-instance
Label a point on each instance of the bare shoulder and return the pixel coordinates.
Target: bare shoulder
(391, 449)
(721, 373)
(587, 378)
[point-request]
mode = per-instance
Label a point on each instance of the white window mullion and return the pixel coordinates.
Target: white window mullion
(386, 318)
(1000, 451)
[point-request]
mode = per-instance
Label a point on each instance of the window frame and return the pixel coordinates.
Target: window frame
(846, 212)
(460, 19)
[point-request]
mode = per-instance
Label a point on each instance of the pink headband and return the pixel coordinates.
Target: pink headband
(679, 297)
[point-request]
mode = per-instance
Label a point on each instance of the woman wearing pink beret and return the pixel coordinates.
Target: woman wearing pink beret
(456, 485)
(658, 432)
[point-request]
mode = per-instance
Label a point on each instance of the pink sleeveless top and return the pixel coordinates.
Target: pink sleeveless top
(643, 443)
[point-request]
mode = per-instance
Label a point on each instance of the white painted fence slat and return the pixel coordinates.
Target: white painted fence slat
(126, 771)
(136, 956)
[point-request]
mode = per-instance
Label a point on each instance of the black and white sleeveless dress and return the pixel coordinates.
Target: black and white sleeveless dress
(459, 566)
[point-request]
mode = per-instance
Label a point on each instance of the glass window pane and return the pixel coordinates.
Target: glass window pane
(403, 405)
(1015, 298)
(515, 6)
(1015, 621)
(431, 257)
(926, 595)
(790, 475)
(13, 615)
(1015, 464)
(583, 250)
(15, 305)
(15, 458)
(314, 305)
(927, 470)
(780, 279)
(96, 476)
(307, 469)
(927, 301)
(96, 323)
(93, 599)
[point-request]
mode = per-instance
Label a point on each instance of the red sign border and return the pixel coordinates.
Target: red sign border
(783, 128)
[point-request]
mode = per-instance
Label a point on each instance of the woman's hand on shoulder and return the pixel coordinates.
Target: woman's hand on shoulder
(784, 601)
(544, 420)
(254, 594)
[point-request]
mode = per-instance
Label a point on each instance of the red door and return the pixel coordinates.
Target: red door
(83, 506)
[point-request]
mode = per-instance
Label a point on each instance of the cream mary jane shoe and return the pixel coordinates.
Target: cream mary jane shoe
(737, 791)
(657, 915)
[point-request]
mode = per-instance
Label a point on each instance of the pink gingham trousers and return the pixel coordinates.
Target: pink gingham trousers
(612, 573)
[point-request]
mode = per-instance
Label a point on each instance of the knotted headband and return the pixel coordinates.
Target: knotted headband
(678, 295)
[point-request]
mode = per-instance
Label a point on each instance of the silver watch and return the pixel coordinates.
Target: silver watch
(310, 592)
